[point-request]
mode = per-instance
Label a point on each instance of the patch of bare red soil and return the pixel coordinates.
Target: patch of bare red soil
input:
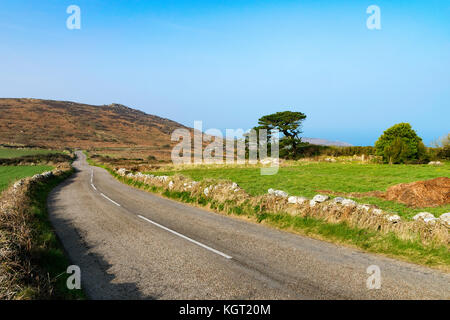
(418, 194)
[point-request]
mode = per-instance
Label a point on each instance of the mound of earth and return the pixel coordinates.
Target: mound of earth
(420, 194)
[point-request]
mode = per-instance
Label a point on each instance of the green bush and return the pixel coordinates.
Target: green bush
(401, 144)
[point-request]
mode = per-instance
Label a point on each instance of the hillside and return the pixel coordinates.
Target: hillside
(323, 142)
(58, 124)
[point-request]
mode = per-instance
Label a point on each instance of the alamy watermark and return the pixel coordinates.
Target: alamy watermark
(238, 147)
(373, 22)
(74, 280)
(73, 22)
(374, 280)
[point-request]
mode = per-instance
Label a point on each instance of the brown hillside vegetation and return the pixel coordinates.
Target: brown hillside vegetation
(59, 124)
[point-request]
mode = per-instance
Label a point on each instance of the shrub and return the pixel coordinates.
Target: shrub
(401, 144)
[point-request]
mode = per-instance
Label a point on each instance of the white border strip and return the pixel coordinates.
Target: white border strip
(187, 238)
(93, 187)
(110, 199)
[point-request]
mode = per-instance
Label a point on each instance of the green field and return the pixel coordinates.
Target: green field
(9, 174)
(305, 179)
(8, 153)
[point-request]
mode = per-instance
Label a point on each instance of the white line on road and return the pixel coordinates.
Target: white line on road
(186, 238)
(93, 187)
(110, 199)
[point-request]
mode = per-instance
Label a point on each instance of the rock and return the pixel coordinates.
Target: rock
(348, 202)
(363, 207)
(330, 159)
(430, 220)
(281, 193)
(206, 191)
(47, 174)
(19, 183)
(338, 199)
(320, 198)
(171, 184)
(297, 200)
(37, 177)
(394, 218)
(312, 203)
(122, 171)
(139, 175)
(423, 216)
(445, 217)
(377, 211)
(435, 163)
(278, 193)
(162, 178)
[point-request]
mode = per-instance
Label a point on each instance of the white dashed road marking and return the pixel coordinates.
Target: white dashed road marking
(187, 238)
(165, 228)
(110, 199)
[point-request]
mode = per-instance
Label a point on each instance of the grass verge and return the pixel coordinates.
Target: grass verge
(9, 174)
(35, 263)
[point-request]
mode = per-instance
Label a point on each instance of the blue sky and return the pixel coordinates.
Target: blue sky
(229, 62)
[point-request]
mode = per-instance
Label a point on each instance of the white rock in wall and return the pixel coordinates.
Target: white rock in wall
(162, 178)
(377, 211)
(423, 216)
(445, 217)
(312, 203)
(297, 200)
(430, 220)
(363, 207)
(122, 171)
(348, 202)
(47, 174)
(394, 218)
(281, 193)
(139, 175)
(338, 199)
(320, 198)
(19, 183)
(170, 184)
(278, 193)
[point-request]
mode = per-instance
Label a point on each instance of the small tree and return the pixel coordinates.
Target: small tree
(400, 144)
(289, 124)
(443, 147)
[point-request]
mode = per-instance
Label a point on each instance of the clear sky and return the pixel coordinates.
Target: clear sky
(230, 62)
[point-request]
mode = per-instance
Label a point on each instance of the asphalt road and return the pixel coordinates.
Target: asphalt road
(131, 244)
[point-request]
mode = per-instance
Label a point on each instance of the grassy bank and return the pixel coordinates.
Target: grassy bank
(8, 153)
(34, 264)
(9, 174)
(389, 244)
(308, 179)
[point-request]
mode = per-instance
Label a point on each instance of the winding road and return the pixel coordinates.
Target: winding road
(131, 244)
